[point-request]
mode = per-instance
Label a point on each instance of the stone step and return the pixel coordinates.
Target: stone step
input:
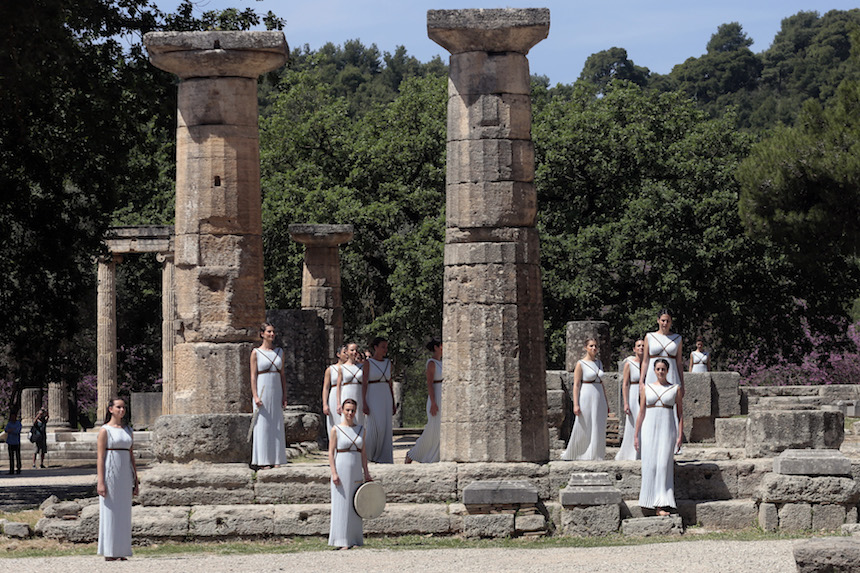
(652, 526)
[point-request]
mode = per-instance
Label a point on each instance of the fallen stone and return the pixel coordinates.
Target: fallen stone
(58, 529)
(62, 509)
(16, 529)
(49, 501)
(726, 514)
(500, 492)
(768, 517)
(595, 520)
(771, 432)
(228, 521)
(827, 517)
(831, 555)
(159, 522)
(589, 495)
(494, 525)
(850, 529)
(795, 517)
(776, 488)
(589, 479)
(730, 432)
(652, 526)
(196, 484)
(536, 474)
(812, 463)
(406, 519)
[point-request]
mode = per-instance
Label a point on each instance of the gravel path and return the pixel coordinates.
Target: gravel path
(699, 556)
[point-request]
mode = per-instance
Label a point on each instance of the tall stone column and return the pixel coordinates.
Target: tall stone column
(168, 331)
(218, 245)
(321, 290)
(31, 401)
(106, 334)
(58, 405)
(577, 332)
(494, 397)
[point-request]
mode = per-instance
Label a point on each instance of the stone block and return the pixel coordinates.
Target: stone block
(302, 519)
(626, 476)
(299, 484)
(145, 408)
(727, 514)
(698, 417)
(490, 160)
(301, 425)
(834, 392)
(795, 517)
(159, 522)
(776, 488)
(16, 529)
(851, 529)
(630, 508)
(830, 554)
(196, 484)
(489, 116)
(706, 481)
(217, 438)
(768, 517)
(577, 332)
(750, 475)
(730, 432)
(529, 523)
(500, 492)
(591, 521)
(407, 519)
(727, 399)
(851, 514)
(59, 529)
(589, 479)
(491, 283)
(228, 521)
(212, 101)
(589, 495)
(771, 432)
(416, 483)
(687, 509)
(827, 517)
(62, 509)
(653, 526)
(494, 525)
(497, 30)
(50, 500)
(812, 463)
(535, 474)
(87, 527)
(209, 382)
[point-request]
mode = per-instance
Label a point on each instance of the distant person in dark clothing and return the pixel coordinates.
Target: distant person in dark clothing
(39, 437)
(13, 441)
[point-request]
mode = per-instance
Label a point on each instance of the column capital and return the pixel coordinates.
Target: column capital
(108, 259)
(164, 257)
(216, 54)
(488, 30)
(321, 235)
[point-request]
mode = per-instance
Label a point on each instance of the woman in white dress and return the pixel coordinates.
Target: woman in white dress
(329, 398)
(269, 393)
(117, 483)
(630, 391)
(700, 361)
(664, 344)
(426, 448)
(349, 375)
(588, 438)
(378, 398)
(660, 439)
(347, 460)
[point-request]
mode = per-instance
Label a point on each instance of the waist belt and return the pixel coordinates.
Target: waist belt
(661, 356)
(376, 381)
(268, 372)
(358, 451)
(438, 381)
(119, 449)
(659, 406)
(592, 381)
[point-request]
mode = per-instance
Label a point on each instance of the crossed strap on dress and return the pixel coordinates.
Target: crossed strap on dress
(638, 366)
(597, 372)
(345, 383)
(349, 449)
(271, 363)
(381, 373)
(701, 360)
(659, 398)
(665, 346)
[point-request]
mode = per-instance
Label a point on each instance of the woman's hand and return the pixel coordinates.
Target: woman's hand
(434, 409)
(577, 411)
(627, 409)
(335, 479)
(636, 442)
(258, 402)
(101, 489)
(366, 409)
(136, 489)
(340, 411)
(284, 404)
(678, 444)
(367, 477)
(326, 411)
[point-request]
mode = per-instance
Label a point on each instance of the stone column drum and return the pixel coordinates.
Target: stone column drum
(494, 397)
(321, 290)
(168, 330)
(106, 334)
(31, 401)
(218, 231)
(58, 405)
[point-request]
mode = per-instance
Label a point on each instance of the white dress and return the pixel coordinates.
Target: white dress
(270, 447)
(628, 447)
(700, 361)
(380, 433)
(657, 442)
(346, 527)
(350, 388)
(661, 346)
(426, 448)
(333, 419)
(588, 438)
(115, 506)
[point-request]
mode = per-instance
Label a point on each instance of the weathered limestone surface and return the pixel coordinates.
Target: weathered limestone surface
(710, 480)
(16, 529)
(771, 432)
(196, 484)
(168, 330)
(589, 495)
(578, 332)
(31, 401)
(726, 386)
(536, 474)
(493, 311)
(228, 521)
(698, 407)
(202, 437)
(768, 517)
(499, 492)
(62, 508)
(559, 408)
(145, 409)
(776, 488)
(58, 405)
(302, 519)
(294, 484)
(302, 335)
(626, 476)
(106, 331)
(489, 525)
(828, 517)
(812, 463)
(832, 554)
(727, 514)
(650, 526)
(795, 517)
(730, 432)
(750, 475)
(406, 519)
(159, 522)
(413, 484)
(592, 520)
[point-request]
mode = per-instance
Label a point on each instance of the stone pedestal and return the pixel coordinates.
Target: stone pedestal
(321, 276)
(494, 396)
(106, 335)
(218, 251)
(168, 331)
(58, 405)
(31, 401)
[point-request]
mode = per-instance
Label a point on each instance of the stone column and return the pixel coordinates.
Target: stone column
(31, 401)
(168, 330)
(578, 331)
(321, 276)
(218, 245)
(58, 405)
(106, 335)
(494, 404)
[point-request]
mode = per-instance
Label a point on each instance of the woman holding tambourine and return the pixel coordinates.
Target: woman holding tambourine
(348, 462)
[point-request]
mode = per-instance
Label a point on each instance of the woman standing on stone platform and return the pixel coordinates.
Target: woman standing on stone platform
(588, 438)
(269, 392)
(347, 459)
(426, 448)
(117, 482)
(700, 361)
(378, 397)
(349, 375)
(664, 344)
(329, 397)
(630, 390)
(658, 438)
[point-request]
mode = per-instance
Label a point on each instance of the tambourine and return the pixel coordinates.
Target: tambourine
(369, 500)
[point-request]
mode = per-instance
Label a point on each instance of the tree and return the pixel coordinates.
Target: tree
(612, 64)
(728, 38)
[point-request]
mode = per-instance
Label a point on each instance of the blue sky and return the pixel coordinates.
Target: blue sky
(656, 34)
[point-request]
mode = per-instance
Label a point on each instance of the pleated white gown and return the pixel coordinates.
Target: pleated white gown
(115, 506)
(380, 433)
(628, 447)
(661, 346)
(588, 438)
(351, 388)
(346, 527)
(426, 448)
(270, 442)
(700, 361)
(333, 419)
(657, 442)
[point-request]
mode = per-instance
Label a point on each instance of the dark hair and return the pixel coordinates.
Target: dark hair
(349, 401)
(264, 326)
(664, 311)
(663, 360)
(376, 342)
(108, 414)
(434, 342)
(700, 338)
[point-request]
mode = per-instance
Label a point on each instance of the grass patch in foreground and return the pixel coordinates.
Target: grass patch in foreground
(40, 547)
